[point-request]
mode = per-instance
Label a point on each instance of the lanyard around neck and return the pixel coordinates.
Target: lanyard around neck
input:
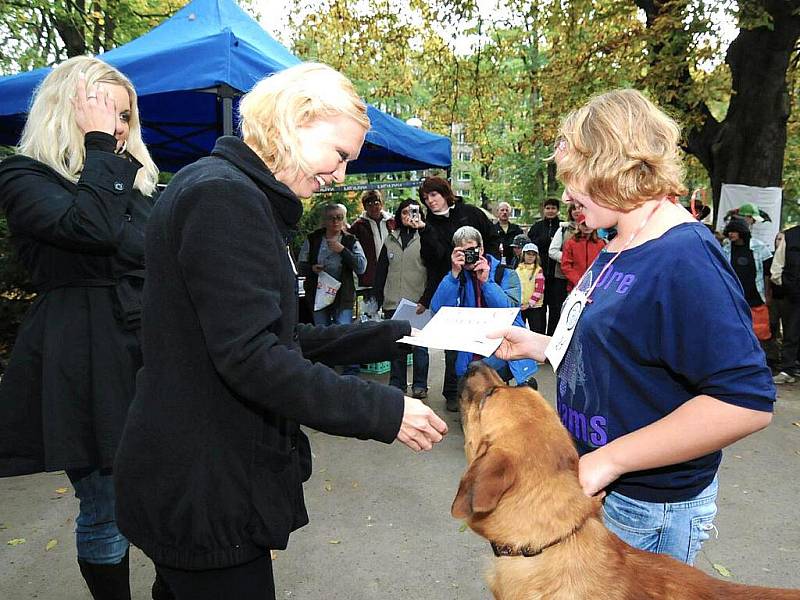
(641, 227)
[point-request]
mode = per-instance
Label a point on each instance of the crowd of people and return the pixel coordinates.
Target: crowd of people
(176, 409)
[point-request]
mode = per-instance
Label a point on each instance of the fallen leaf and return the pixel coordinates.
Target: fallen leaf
(463, 528)
(328, 485)
(355, 484)
(3, 525)
(61, 490)
(736, 456)
(796, 423)
(273, 554)
(722, 570)
(50, 545)
(16, 542)
(334, 541)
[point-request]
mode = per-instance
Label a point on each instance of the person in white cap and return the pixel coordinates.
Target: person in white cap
(531, 276)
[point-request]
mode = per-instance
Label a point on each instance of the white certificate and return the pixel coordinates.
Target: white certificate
(407, 311)
(464, 329)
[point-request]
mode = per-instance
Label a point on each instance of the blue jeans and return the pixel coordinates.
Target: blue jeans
(674, 528)
(97, 537)
(330, 315)
(398, 374)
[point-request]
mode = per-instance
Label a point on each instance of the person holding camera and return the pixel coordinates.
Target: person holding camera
(479, 280)
(446, 213)
(402, 273)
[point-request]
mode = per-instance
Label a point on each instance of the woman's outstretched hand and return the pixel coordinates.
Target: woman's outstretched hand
(519, 342)
(421, 427)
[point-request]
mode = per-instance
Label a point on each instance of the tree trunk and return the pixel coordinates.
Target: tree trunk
(72, 29)
(748, 146)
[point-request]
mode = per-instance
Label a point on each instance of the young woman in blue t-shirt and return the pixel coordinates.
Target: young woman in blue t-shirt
(662, 369)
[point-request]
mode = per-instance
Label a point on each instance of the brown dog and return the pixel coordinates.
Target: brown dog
(521, 492)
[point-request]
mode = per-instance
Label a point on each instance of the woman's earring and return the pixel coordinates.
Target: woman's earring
(121, 149)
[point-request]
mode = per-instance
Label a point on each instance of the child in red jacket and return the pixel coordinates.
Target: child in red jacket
(579, 252)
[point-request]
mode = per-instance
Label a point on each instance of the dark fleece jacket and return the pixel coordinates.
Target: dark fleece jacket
(210, 467)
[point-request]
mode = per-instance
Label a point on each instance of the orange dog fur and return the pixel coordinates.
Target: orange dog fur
(521, 490)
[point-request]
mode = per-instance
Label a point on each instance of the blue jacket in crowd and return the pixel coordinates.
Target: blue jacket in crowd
(460, 291)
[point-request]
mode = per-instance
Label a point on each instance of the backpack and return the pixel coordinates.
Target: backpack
(498, 274)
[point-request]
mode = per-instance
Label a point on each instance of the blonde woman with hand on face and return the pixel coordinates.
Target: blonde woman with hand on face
(649, 396)
(210, 469)
(77, 197)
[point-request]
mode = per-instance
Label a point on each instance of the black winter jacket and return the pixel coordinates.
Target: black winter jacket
(210, 467)
(541, 233)
(65, 394)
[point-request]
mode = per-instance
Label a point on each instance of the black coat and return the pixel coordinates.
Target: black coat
(210, 467)
(437, 241)
(541, 233)
(66, 391)
(507, 238)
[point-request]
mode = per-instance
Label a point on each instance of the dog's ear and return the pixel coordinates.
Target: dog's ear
(487, 479)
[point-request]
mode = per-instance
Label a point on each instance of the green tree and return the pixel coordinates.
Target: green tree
(36, 33)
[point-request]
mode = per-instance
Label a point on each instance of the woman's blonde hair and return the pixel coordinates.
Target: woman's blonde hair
(52, 136)
(621, 149)
(272, 111)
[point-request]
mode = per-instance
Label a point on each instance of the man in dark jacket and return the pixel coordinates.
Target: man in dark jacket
(371, 229)
(541, 233)
(506, 231)
(785, 272)
(446, 214)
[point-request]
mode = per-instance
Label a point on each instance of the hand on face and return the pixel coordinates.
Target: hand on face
(102, 107)
(412, 219)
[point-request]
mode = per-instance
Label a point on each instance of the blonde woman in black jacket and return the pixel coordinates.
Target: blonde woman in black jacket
(77, 197)
(210, 468)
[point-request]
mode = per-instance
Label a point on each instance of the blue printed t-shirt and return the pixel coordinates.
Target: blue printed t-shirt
(668, 322)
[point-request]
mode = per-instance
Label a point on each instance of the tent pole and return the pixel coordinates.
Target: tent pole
(227, 116)
(226, 93)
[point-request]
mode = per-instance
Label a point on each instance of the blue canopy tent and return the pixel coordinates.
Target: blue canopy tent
(189, 72)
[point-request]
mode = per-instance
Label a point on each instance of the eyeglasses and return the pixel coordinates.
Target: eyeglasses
(335, 218)
(372, 202)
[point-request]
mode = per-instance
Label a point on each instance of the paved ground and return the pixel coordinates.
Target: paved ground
(381, 525)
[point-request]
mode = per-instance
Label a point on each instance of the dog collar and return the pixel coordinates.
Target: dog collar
(526, 551)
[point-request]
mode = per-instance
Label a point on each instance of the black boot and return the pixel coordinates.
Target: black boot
(160, 590)
(107, 582)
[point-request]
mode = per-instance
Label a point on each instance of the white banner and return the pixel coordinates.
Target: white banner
(767, 199)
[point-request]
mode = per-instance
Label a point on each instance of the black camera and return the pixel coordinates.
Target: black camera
(471, 256)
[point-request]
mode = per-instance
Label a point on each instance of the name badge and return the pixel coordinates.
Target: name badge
(570, 314)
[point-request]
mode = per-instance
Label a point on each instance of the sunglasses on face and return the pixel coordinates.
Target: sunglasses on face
(371, 202)
(335, 217)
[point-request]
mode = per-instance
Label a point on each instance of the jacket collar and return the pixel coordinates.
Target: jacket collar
(287, 206)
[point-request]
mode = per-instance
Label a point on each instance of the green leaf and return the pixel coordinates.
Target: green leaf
(722, 570)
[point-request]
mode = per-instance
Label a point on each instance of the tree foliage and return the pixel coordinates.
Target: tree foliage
(35, 33)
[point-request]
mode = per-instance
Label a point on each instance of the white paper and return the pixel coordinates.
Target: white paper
(464, 329)
(767, 199)
(407, 311)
